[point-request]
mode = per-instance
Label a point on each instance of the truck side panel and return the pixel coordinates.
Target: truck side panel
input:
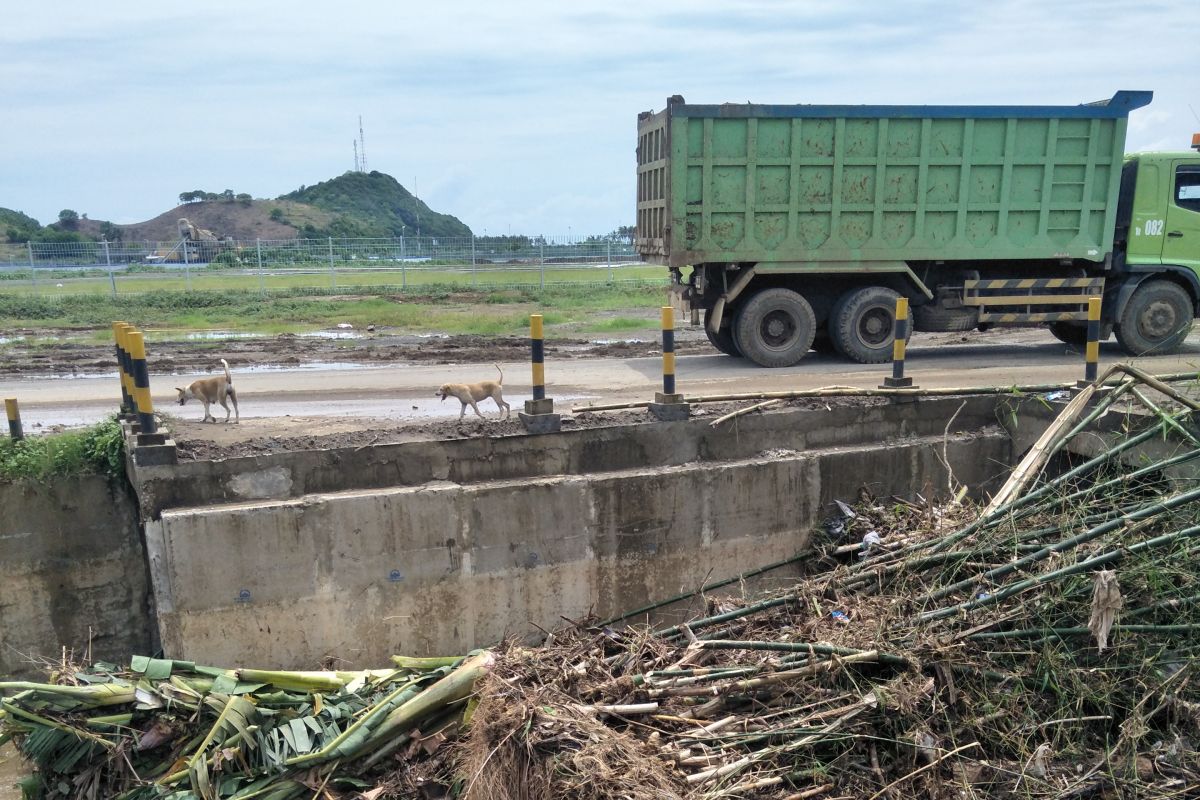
(763, 184)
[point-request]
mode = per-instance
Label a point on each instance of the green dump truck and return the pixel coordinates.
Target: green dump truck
(802, 224)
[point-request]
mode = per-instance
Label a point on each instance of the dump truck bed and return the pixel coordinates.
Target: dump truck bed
(808, 184)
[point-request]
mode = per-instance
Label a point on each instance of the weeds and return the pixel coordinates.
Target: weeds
(99, 449)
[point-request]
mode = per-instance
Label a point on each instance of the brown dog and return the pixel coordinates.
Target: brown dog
(212, 390)
(471, 393)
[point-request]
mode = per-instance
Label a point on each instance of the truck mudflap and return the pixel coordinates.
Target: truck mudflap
(678, 300)
(1021, 300)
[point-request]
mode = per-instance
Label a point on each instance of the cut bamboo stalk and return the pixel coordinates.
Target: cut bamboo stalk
(741, 412)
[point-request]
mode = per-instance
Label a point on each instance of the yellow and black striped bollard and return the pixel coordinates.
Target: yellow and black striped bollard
(1092, 367)
(123, 333)
(899, 343)
(668, 404)
(122, 369)
(13, 412)
(141, 383)
(539, 416)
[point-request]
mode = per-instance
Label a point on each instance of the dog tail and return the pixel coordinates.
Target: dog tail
(228, 377)
(501, 381)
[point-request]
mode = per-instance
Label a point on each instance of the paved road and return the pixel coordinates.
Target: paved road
(406, 391)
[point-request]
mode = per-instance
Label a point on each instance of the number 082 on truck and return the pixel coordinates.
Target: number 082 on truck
(789, 228)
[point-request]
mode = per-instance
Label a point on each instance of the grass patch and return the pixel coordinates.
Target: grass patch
(441, 308)
(99, 449)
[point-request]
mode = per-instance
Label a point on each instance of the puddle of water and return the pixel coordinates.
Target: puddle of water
(330, 335)
(201, 335)
(9, 339)
(334, 366)
(619, 341)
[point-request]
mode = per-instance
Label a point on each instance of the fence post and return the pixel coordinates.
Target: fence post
(32, 270)
(108, 261)
(608, 258)
(262, 288)
(542, 262)
(13, 411)
(187, 267)
(403, 266)
(332, 273)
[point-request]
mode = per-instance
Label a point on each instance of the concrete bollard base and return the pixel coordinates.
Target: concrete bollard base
(540, 423)
(670, 412)
(155, 455)
(543, 406)
(897, 383)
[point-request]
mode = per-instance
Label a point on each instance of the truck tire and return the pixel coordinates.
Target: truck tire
(775, 328)
(863, 324)
(935, 319)
(1156, 320)
(1075, 333)
(723, 340)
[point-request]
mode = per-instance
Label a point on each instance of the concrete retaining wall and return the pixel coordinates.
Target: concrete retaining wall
(591, 450)
(72, 572)
(445, 566)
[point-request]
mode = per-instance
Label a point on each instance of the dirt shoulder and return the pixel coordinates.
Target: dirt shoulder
(198, 355)
(204, 442)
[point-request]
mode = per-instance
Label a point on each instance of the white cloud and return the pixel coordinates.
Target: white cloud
(511, 115)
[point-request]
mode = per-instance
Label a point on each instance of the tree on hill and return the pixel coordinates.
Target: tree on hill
(16, 226)
(375, 204)
(67, 218)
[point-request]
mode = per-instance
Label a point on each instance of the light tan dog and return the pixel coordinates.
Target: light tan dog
(471, 393)
(212, 390)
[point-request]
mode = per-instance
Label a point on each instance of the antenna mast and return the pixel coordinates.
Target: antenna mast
(356, 169)
(362, 142)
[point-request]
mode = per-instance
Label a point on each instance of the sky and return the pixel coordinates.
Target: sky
(516, 117)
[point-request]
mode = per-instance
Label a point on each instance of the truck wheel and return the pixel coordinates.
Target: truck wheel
(934, 319)
(723, 339)
(1156, 320)
(863, 322)
(1075, 333)
(775, 328)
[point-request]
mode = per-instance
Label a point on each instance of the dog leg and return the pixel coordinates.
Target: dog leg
(476, 409)
(225, 406)
(462, 411)
(207, 414)
(237, 412)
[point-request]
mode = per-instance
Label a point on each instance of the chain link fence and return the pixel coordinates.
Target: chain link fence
(267, 264)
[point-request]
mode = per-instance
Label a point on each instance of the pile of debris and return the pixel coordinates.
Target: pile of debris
(1044, 645)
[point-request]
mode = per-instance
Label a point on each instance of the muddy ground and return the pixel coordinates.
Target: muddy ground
(203, 442)
(32, 353)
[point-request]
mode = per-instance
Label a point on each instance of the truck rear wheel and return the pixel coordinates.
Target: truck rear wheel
(935, 319)
(1156, 320)
(1075, 333)
(775, 328)
(863, 324)
(723, 339)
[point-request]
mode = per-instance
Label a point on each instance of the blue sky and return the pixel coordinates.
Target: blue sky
(514, 116)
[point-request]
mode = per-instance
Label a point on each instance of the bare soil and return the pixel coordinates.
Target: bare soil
(204, 442)
(195, 356)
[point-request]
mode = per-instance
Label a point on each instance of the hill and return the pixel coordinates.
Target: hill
(351, 205)
(16, 226)
(375, 204)
(249, 220)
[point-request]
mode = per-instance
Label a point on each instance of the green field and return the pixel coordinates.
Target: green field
(62, 282)
(568, 309)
